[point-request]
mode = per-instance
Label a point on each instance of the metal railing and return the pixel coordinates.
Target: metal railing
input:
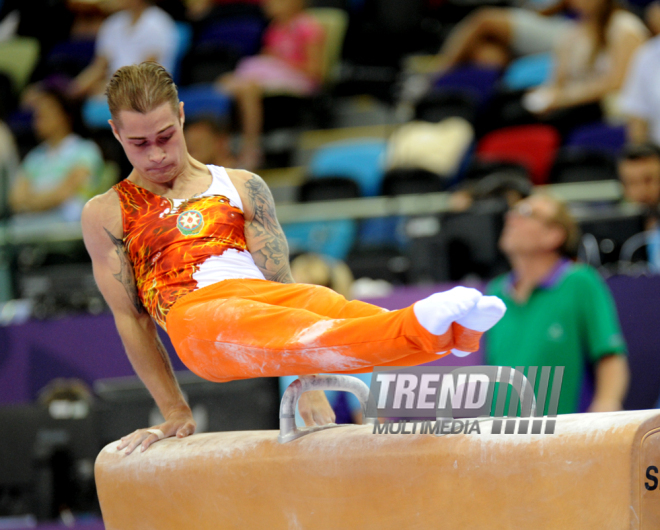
(363, 208)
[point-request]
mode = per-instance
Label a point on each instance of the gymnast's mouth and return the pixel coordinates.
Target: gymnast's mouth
(160, 168)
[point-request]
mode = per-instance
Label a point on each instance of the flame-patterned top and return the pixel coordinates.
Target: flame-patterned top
(177, 246)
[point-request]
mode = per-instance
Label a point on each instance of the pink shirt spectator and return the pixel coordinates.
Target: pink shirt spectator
(291, 41)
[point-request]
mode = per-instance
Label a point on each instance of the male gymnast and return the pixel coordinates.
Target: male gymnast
(198, 250)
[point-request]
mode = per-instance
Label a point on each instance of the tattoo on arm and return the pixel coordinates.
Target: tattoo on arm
(270, 250)
(125, 275)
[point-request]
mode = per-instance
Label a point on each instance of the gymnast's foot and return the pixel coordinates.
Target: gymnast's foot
(438, 311)
(483, 316)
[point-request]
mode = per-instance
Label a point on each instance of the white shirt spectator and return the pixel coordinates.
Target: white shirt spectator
(123, 43)
(641, 93)
(579, 45)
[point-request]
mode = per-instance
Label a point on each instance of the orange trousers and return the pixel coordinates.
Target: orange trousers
(239, 329)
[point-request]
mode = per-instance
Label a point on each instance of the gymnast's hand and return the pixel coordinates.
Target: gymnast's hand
(315, 409)
(179, 423)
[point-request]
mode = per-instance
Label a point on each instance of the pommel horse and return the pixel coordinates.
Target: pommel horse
(597, 471)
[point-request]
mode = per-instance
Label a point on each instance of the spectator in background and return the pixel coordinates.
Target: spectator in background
(208, 141)
(558, 313)
(640, 98)
(323, 270)
(58, 176)
(8, 165)
(592, 59)
(291, 61)
(490, 36)
(139, 32)
(639, 171)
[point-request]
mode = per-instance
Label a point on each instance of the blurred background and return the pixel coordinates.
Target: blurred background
(410, 130)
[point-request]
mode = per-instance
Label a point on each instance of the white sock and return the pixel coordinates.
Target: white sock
(438, 311)
(485, 314)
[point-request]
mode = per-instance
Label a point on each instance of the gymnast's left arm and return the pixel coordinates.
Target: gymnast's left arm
(267, 243)
(263, 234)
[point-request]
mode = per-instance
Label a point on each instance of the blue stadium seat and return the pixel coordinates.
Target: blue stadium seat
(479, 82)
(600, 137)
(528, 72)
(96, 113)
(240, 34)
(203, 100)
(184, 34)
(382, 231)
(331, 238)
(360, 160)
(199, 100)
(70, 57)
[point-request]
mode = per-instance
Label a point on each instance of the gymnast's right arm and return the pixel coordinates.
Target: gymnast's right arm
(103, 233)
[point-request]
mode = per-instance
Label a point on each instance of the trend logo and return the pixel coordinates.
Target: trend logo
(458, 397)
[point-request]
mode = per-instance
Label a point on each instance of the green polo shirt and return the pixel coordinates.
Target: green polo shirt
(569, 320)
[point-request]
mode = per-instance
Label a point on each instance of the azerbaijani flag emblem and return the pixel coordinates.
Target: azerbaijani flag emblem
(190, 222)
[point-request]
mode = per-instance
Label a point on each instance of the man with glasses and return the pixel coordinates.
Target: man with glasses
(559, 313)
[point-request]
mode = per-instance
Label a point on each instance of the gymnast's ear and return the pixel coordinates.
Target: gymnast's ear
(115, 129)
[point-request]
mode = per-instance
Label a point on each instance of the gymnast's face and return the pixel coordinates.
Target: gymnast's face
(153, 142)
(530, 228)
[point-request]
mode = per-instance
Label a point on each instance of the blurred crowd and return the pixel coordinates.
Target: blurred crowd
(484, 102)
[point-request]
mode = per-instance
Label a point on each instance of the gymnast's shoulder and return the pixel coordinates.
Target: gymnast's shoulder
(101, 212)
(253, 191)
(243, 179)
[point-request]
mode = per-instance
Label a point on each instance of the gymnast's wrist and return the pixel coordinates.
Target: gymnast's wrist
(180, 409)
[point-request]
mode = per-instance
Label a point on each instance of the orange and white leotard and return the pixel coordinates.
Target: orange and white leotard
(178, 246)
(196, 278)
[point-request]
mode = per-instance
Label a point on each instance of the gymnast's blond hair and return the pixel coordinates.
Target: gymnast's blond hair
(141, 88)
